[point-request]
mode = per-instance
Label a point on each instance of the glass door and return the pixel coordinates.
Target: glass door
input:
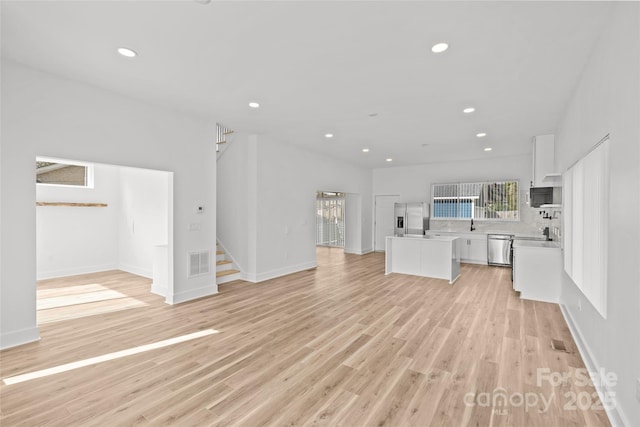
(330, 219)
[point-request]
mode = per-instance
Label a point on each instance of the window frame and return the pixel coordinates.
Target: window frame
(460, 196)
(88, 177)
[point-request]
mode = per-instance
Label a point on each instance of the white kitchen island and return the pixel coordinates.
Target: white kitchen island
(428, 256)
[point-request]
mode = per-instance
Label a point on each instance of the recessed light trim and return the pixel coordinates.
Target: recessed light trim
(254, 104)
(328, 135)
(439, 47)
(126, 52)
(389, 159)
(365, 150)
(488, 149)
(468, 110)
(481, 134)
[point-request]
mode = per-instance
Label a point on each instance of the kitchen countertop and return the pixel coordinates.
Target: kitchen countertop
(485, 233)
(441, 238)
(535, 244)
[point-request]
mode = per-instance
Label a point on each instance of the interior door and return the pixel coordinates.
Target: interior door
(383, 221)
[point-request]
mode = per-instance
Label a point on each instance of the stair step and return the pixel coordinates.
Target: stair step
(219, 252)
(223, 262)
(226, 273)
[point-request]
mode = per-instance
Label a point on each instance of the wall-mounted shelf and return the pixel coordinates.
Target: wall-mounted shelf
(551, 205)
(71, 204)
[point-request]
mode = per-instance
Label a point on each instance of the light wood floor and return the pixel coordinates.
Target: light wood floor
(341, 345)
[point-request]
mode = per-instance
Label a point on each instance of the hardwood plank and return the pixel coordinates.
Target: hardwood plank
(342, 344)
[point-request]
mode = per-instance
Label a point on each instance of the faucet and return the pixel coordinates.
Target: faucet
(472, 227)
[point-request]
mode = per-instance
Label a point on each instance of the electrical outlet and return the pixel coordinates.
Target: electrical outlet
(638, 389)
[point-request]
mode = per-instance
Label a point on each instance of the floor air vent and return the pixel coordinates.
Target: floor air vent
(199, 263)
(559, 345)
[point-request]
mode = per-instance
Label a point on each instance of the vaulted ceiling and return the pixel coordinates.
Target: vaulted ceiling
(360, 70)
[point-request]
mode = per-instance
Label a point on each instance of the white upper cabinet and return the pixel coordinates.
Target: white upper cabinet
(543, 161)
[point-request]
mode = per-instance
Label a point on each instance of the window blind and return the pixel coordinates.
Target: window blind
(497, 200)
(585, 215)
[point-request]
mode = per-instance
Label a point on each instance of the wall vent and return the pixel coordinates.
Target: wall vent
(199, 263)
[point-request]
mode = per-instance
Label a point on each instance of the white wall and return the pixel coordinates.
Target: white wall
(233, 198)
(413, 184)
(72, 240)
(142, 218)
(266, 213)
(288, 179)
(353, 219)
(607, 100)
(76, 240)
(50, 116)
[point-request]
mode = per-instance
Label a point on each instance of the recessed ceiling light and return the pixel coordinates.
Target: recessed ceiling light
(365, 150)
(481, 134)
(439, 48)
(389, 159)
(124, 51)
(254, 105)
(328, 135)
(469, 110)
(488, 149)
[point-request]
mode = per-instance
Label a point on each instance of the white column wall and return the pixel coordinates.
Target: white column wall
(142, 218)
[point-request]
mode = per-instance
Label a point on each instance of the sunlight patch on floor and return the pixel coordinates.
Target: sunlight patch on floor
(74, 302)
(106, 357)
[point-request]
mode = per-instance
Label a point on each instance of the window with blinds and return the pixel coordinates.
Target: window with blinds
(496, 201)
(585, 213)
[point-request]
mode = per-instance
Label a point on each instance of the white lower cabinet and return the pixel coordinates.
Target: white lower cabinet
(537, 272)
(473, 249)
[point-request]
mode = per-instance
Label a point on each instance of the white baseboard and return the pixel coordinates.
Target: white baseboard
(138, 271)
(357, 251)
(159, 290)
(279, 272)
(616, 415)
(20, 337)
(191, 294)
(52, 274)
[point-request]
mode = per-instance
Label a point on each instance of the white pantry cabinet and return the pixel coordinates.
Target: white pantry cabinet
(543, 160)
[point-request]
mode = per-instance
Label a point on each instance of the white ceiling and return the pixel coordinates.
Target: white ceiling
(319, 67)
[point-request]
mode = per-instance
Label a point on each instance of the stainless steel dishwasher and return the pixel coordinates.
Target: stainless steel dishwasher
(499, 249)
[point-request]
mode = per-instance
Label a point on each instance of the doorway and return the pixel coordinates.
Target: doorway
(330, 219)
(94, 222)
(383, 220)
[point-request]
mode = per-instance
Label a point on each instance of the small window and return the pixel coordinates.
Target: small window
(53, 172)
(496, 201)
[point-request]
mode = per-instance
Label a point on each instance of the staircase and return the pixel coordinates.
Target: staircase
(225, 271)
